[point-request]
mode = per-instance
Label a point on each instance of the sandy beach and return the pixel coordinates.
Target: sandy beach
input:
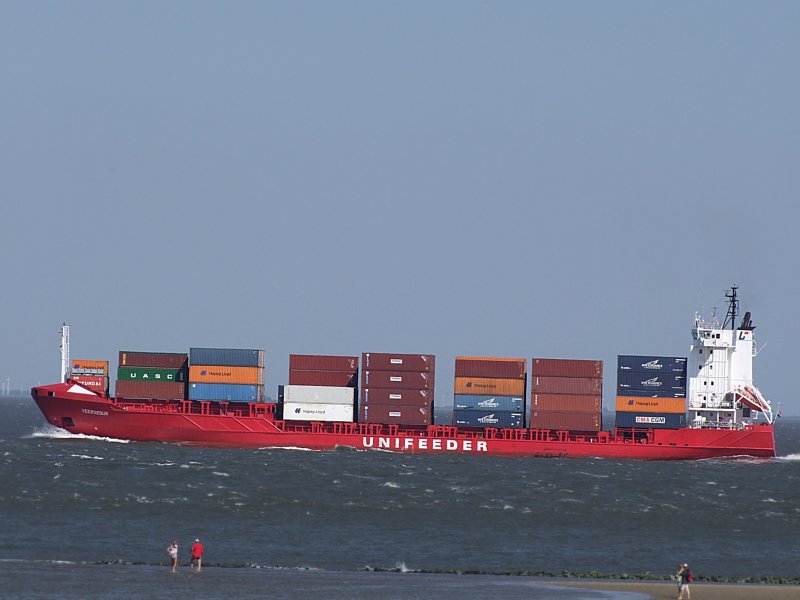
(699, 591)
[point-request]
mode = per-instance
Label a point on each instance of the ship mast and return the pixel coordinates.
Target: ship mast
(65, 370)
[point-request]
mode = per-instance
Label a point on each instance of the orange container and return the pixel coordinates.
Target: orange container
(489, 386)
(652, 405)
(90, 367)
(217, 374)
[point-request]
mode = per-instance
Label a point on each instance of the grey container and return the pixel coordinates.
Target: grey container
(228, 357)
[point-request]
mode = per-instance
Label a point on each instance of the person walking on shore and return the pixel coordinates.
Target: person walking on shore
(197, 555)
(686, 578)
(172, 551)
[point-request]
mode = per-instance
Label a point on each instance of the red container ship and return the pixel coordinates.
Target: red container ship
(722, 423)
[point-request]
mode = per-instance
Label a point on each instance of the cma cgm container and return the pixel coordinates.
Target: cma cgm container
(311, 362)
(89, 367)
(568, 421)
(561, 367)
(648, 420)
(398, 414)
(226, 374)
(318, 394)
(304, 411)
(228, 357)
(647, 382)
(483, 418)
(164, 360)
(655, 405)
(150, 389)
(567, 402)
(151, 374)
(489, 386)
(398, 397)
(489, 403)
(408, 380)
(229, 392)
(382, 361)
(567, 385)
(652, 364)
(502, 368)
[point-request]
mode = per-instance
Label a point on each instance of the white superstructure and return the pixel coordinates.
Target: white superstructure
(720, 372)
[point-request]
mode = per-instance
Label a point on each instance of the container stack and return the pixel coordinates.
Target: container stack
(91, 374)
(567, 394)
(489, 392)
(226, 374)
(651, 392)
(397, 388)
(321, 388)
(160, 375)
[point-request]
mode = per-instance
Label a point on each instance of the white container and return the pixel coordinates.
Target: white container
(319, 394)
(301, 411)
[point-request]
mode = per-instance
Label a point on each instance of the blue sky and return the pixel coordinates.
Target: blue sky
(565, 179)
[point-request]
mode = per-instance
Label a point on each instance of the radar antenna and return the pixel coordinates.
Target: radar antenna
(733, 307)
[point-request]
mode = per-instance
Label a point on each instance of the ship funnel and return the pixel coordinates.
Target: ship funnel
(747, 323)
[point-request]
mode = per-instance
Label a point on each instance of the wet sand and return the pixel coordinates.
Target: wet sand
(699, 591)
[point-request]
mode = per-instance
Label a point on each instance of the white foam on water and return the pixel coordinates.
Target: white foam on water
(789, 457)
(391, 484)
(56, 433)
(87, 457)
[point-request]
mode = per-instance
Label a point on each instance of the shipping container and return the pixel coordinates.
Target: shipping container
(150, 389)
(395, 414)
(151, 374)
(585, 386)
(489, 386)
(293, 411)
(163, 360)
(407, 380)
(96, 383)
(226, 374)
(567, 421)
(503, 368)
(382, 361)
(647, 382)
(331, 378)
(565, 367)
(652, 364)
(651, 393)
(658, 405)
(311, 362)
(483, 418)
(643, 420)
(226, 357)
(89, 367)
(390, 397)
(230, 392)
(318, 394)
(484, 402)
(567, 403)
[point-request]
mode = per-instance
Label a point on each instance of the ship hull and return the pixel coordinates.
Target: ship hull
(241, 424)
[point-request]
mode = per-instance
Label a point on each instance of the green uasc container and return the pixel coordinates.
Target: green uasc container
(151, 374)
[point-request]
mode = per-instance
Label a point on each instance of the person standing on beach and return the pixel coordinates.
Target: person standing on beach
(197, 555)
(172, 551)
(686, 578)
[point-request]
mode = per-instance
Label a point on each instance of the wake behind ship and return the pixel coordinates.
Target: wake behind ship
(668, 408)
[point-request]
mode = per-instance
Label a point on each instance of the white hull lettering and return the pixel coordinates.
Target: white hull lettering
(411, 444)
(100, 413)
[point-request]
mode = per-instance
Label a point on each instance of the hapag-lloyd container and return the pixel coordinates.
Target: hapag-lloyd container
(652, 364)
(658, 382)
(96, 383)
(226, 374)
(150, 389)
(163, 360)
(383, 361)
(567, 421)
(567, 403)
(312, 362)
(561, 367)
(89, 367)
(229, 357)
(567, 385)
(407, 380)
(151, 374)
(482, 402)
(648, 420)
(331, 378)
(489, 386)
(484, 418)
(503, 368)
(394, 397)
(227, 392)
(396, 414)
(318, 394)
(303, 411)
(656, 405)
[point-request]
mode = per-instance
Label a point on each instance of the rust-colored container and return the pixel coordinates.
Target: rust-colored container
(312, 362)
(651, 405)
(382, 361)
(567, 385)
(399, 414)
(96, 383)
(569, 421)
(488, 385)
(403, 380)
(163, 360)
(567, 402)
(220, 374)
(504, 368)
(89, 367)
(388, 397)
(561, 367)
(150, 389)
(332, 378)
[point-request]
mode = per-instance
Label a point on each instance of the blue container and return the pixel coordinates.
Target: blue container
(642, 420)
(652, 364)
(226, 357)
(231, 392)
(506, 403)
(650, 382)
(490, 418)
